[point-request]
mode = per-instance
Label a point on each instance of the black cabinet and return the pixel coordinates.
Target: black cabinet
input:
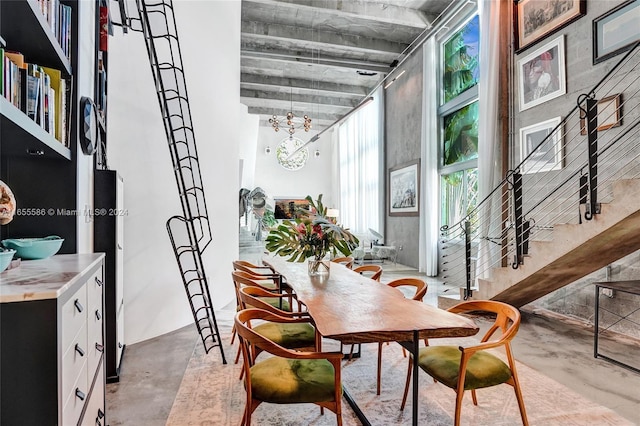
(108, 239)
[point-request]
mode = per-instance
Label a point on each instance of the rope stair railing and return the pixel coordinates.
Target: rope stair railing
(563, 179)
(190, 233)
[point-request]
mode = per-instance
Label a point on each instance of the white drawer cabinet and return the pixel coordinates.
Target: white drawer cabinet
(52, 342)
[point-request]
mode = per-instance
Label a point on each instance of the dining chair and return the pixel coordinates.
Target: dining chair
(419, 289)
(286, 377)
(372, 271)
(345, 260)
(270, 285)
(290, 336)
(298, 336)
(241, 278)
(472, 367)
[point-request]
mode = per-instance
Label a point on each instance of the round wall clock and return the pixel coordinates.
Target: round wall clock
(286, 148)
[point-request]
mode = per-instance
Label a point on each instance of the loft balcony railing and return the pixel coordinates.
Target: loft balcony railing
(564, 179)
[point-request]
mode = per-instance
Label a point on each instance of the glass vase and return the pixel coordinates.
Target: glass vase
(318, 267)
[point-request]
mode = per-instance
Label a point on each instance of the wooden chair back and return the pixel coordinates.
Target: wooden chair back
(250, 297)
(419, 286)
(507, 319)
(243, 265)
(372, 271)
(346, 261)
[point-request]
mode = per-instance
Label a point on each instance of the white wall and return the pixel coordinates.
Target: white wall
(313, 179)
(155, 301)
(84, 165)
(248, 132)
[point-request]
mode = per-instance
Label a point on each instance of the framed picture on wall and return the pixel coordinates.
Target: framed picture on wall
(290, 207)
(547, 156)
(609, 113)
(616, 31)
(404, 189)
(538, 19)
(541, 74)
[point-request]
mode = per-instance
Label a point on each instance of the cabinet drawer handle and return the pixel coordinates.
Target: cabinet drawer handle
(79, 350)
(100, 413)
(78, 305)
(80, 394)
(98, 282)
(99, 347)
(120, 345)
(98, 315)
(119, 247)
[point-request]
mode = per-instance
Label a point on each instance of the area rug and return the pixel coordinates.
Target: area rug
(212, 394)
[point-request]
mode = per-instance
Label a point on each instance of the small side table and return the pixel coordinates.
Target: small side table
(631, 287)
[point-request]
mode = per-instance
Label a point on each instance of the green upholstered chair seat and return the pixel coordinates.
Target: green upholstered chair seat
(290, 336)
(275, 302)
(443, 364)
(281, 380)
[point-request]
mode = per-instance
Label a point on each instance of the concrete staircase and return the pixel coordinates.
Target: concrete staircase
(575, 251)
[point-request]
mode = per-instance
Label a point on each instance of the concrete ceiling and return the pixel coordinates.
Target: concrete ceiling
(323, 57)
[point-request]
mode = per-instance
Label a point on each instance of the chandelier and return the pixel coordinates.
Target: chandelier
(290, 121)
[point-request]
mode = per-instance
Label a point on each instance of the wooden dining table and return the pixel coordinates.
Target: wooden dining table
(352, 308)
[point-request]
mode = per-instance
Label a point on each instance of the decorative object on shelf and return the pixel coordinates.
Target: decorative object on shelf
(547, 156)
(404, 187)
(541, 74)
(609, 112)
(34, 248)
(290, 121)
(7, 204)
(89, 137)
(536, 20)
(616, 31)
(286, 147)
(312, 237)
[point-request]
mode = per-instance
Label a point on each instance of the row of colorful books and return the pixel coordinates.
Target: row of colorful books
(58, 16)
(39, 92)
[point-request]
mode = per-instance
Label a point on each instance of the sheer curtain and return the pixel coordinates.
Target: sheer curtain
(360, 154)
(429, 229)
(488, 134)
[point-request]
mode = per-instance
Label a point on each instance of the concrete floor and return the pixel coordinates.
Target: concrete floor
(559, 348)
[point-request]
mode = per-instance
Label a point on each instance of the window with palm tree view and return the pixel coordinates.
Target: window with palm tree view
(458, 115)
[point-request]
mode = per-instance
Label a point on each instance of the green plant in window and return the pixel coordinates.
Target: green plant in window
(461, 135)
(461, 61)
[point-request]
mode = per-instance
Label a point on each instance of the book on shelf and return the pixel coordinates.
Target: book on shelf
(39, 92)
(16, 64)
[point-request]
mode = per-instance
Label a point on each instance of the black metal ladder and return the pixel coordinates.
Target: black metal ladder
(190, 233)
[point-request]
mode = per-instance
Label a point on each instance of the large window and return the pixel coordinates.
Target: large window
(360, 153)
(458, 115)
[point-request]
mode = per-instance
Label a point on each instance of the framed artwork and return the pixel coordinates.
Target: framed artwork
(404, 189)
(616, 31)
(542, 75)
(548, 156)
(538, 19)
(609, 113)
(290, 208)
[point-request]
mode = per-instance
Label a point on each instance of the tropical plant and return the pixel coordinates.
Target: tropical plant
(313, 236)
(461, 135)
(460, 67)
